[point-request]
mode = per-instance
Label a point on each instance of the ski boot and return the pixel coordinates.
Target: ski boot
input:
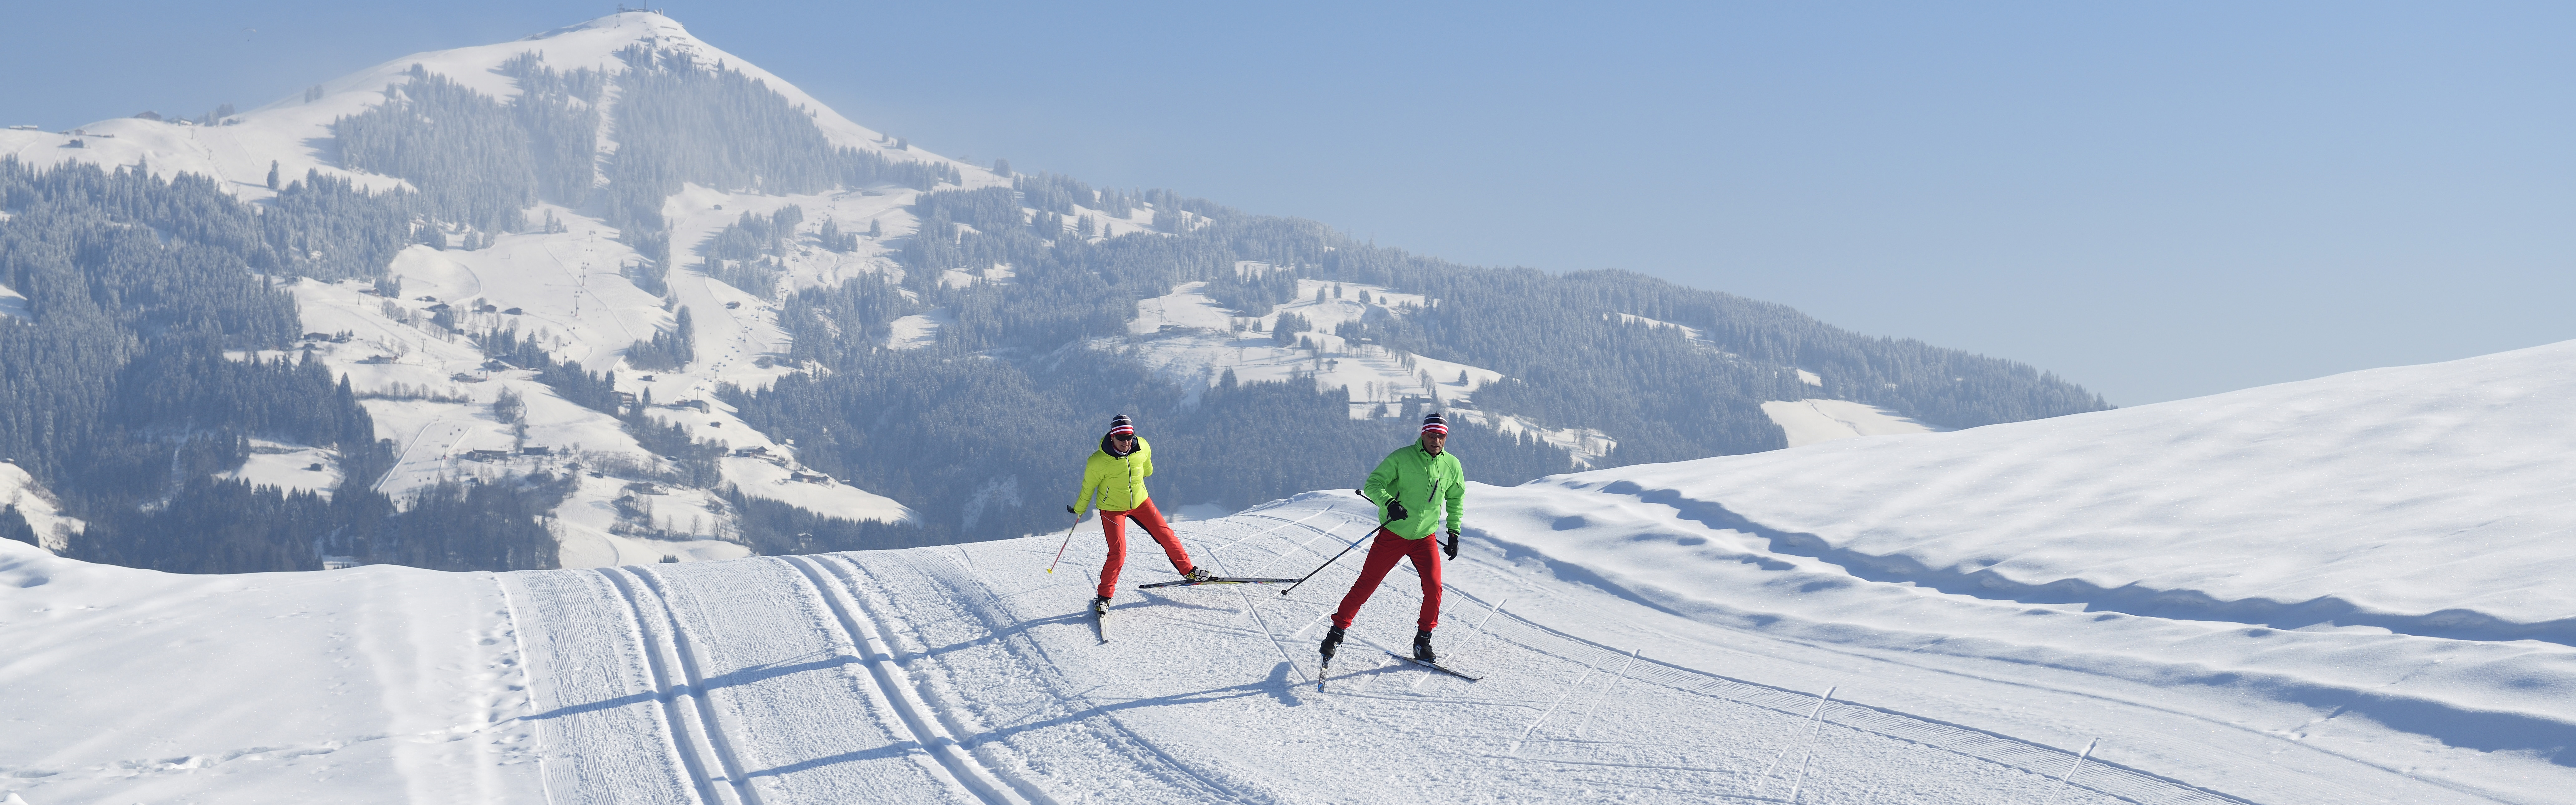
(1332, 643)
(1197, 574)
(1099, 606)
(1422, 646)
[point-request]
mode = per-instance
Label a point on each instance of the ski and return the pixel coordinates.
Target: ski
(1100, 625)
(1214, 580)
(1435, 666)
(1320, 668)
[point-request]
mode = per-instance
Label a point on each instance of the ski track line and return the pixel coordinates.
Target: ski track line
(700, 736)
(2124, 783)
(969, 773)
(2113, 780)
(1115, 734)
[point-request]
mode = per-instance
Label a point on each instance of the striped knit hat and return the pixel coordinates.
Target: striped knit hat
(1121, 426)
(1433, 423)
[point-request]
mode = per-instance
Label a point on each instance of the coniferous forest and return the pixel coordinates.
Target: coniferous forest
(158, 347)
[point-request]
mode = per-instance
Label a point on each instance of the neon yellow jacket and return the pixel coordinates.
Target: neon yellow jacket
(1424, 482)
(1120, 482)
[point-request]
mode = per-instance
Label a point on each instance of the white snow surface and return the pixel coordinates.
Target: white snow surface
(2341, 590)
(1817, 421)
(1186, 335)
(287, 466)
(296, 133)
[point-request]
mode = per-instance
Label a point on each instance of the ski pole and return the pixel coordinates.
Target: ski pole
(1068, 541)
(1381, 523)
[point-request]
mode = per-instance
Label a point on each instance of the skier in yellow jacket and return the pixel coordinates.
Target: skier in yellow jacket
(1116, 474)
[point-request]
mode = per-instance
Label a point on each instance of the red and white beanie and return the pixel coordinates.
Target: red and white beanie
(1433, 423)
(1121, 426)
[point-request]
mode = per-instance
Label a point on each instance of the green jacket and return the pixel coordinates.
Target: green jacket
(1421, 480)
(1120, 482)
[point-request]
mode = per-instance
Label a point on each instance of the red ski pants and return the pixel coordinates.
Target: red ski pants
(1381, 558)
(1114, 526)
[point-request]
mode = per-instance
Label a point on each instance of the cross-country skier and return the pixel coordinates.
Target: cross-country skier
(1116, 474)
(1419, 474)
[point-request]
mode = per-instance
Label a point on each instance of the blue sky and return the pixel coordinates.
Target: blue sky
(2155, 200)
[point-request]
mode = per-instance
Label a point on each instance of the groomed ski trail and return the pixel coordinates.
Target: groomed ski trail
(966, 674)
(895, 688)
(686, 706)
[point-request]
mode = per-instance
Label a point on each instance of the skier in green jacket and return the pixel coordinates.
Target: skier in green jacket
(1116, 475)
(1420, 474)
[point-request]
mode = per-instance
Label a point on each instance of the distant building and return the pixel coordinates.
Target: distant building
(487, 455)
(536, 450)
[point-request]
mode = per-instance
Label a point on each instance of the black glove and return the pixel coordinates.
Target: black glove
(1395, 510)
(1451, 549)
(1070, 510)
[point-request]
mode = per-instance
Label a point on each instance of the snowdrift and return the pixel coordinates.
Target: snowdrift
(2329, 591)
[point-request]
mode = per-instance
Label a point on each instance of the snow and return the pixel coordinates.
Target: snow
(770, 480)
(296, 133)
(14, 304)
(2341, 590)
(285, 466)
(1184, 333)
(43, 511)
(1818, 421)
(918, 330)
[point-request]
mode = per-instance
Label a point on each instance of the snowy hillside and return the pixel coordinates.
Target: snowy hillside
(565, 289)
(2323, 592)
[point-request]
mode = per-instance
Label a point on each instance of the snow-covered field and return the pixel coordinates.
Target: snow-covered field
(2341, 590)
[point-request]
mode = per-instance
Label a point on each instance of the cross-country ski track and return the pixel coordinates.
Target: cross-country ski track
(966, 674)
(1828, 624)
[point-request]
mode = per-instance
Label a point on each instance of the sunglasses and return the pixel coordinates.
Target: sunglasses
(1124, 437)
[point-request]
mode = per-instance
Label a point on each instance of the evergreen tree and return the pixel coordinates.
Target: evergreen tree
(13, 525)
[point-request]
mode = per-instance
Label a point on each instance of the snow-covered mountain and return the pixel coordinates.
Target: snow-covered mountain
(475, 238)
(2339, 590)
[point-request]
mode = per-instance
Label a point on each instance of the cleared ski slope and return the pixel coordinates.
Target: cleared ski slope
(2341, 590)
